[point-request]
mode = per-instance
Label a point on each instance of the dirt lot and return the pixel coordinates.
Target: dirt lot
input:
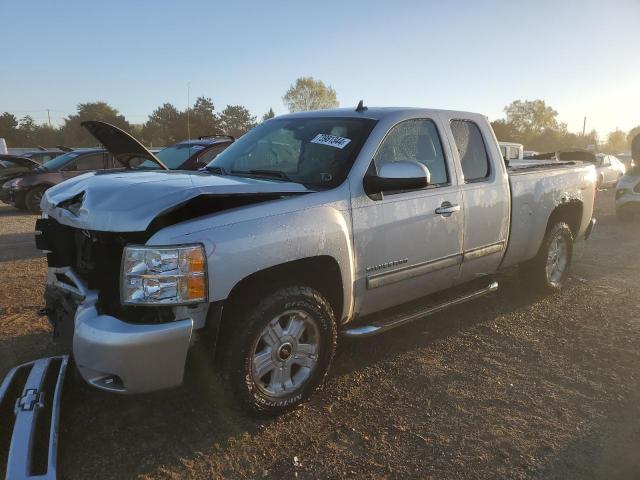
(511, 386)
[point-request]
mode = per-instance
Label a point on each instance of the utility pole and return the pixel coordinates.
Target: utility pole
(188, 108)
(584, 125)
(49, 116)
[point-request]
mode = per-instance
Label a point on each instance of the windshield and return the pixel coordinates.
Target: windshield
(311, 151)
(61, 161)
(173, 157)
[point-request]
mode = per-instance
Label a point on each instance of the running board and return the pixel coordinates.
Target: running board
(30, 398)
(406, 317)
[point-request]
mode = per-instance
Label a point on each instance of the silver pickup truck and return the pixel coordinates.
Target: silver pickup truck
(311, 226)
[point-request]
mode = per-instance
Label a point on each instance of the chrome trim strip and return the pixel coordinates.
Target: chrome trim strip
(28, 407)
(411, 271)
(483, 251)
(375, 328)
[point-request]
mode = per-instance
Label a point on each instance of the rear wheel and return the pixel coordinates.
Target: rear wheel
(280, 350)
(33, 197)
(549, 270)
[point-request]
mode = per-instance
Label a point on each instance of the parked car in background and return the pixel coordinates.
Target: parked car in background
(44, 155)
(11, 167)
(529, 154)
(25, 191)
(626, 159)
(511, 151)
(609, 170)
(628, 195)
(191, 154)
(11, 164)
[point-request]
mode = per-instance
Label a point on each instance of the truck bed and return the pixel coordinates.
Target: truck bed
(537, 188)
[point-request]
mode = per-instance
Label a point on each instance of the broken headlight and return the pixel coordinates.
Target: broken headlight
(163, 275)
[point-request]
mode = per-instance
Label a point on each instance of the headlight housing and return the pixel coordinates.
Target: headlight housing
(11, 184)
(163, 275)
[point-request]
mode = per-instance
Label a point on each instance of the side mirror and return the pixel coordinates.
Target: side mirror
(397, 176)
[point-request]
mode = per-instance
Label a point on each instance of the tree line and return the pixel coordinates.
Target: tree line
(166, 125)
(530, 122)
(535, 124)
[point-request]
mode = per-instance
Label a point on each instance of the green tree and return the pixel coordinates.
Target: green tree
(9, 128)
(268, 115)
(505, 132)
(202, 119)
(165, 126)
(26, 132)
(616, 142)
(76, 136)
(531, 116)
(632, 133)
(309, 94)
(236, 120)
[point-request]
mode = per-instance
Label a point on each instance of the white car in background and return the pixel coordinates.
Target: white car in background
(609, 170)
(628, 195)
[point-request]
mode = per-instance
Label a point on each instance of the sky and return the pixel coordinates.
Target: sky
(581, 57)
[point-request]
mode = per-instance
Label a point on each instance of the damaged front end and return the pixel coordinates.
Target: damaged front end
(118, 346)
(124, 349)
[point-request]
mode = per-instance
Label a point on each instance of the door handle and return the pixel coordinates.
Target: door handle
(447, 208)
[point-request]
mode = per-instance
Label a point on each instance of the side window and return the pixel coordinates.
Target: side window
(605, 161)
(415, 141)
(471, 148)
(212, 153)
(514, 153)
(94, 161)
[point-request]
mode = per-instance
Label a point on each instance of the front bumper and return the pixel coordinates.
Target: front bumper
(119, 356)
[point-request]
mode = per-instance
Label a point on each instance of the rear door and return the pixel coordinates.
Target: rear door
(404, 248)
(485, 195)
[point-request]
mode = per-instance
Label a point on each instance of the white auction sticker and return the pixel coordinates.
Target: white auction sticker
(331, 140)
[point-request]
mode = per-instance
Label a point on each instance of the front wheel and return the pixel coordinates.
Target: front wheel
(280, 351)
(33, 197)
(549, 269)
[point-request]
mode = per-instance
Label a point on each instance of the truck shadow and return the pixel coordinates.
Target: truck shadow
(165, 429)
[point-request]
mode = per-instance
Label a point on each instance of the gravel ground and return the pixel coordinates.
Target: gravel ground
(513, 385)
(14, 221)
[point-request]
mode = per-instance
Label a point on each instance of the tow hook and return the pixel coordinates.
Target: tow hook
(35, 391)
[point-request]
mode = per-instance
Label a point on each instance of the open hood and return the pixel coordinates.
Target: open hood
(22, 161)
(120, 144)
(128, 201)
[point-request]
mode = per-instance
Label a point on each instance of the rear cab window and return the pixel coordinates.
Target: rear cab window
(472, 150)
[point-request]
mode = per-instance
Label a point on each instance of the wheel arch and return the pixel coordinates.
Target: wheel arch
(321, 272)
(570, 213)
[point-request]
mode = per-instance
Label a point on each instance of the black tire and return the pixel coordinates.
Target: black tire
(535, 271)
(33, 197)
(624, 215)
(242, 340)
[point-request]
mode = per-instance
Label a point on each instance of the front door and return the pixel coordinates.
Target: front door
(408, 244)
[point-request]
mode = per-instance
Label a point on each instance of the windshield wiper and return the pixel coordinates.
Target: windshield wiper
(264, 173)
(216, 170)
